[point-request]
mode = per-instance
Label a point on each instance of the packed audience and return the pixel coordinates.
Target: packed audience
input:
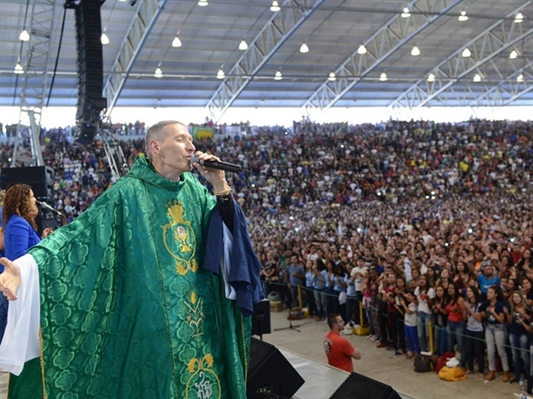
(420, 231)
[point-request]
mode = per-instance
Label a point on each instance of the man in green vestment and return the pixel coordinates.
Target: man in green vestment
(126, 308)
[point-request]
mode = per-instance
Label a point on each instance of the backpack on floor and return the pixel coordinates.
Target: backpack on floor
(422, 363)
(441, 362)
(452, 374)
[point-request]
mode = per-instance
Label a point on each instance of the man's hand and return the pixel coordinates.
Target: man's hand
(9, 279)
(47, 232)
(214, 176)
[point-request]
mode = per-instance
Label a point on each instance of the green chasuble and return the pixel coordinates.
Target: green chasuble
(127, 310)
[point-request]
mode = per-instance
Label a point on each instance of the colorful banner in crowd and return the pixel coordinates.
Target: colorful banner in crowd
(202, 132)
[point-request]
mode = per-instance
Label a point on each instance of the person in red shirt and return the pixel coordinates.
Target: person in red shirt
(338, 349)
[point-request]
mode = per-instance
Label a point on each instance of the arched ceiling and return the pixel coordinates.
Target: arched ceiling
(141, 38)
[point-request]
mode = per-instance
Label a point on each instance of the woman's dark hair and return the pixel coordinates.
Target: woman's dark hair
(17, 202)
(340, 269)
(320, 265)
(509, 260)
(427, 286)
(331, 262)
(515, 282)
(400, 278)
(526, 278)
(498, 291)
(453, 299)
(444, 298)
(477, 294)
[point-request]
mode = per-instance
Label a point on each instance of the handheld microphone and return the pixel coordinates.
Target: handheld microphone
(45, 205)
(220, 165)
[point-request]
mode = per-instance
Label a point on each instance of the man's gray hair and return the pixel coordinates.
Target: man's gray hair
(158, 133)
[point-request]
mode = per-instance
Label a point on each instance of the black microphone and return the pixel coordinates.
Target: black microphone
(220, 165)
(45, 205)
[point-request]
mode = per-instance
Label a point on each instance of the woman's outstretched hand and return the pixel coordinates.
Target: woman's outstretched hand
(9, 279)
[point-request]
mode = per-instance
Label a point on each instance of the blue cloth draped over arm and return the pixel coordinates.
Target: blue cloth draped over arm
(244, 267)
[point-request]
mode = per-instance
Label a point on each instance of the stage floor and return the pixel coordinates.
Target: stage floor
(321, 380)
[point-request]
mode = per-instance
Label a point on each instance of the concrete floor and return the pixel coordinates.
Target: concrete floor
(378, 364)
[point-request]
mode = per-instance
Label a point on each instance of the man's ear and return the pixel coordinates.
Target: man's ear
(154, 147)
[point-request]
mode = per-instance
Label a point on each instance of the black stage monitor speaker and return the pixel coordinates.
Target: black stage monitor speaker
(40, 178)
(270, 375)
(261, 318)
(357, 386)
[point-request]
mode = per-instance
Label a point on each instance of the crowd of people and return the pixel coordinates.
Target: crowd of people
(428, 227)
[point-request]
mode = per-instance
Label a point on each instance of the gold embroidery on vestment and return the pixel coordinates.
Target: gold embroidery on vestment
(195, 314)
(204, 383)
(179, 239)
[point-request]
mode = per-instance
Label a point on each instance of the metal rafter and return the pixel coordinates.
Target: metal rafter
(489, 44)
(282, 25)
(147, 13)
(507, 91)
(503, 93)
(35, 78)
(381, 45)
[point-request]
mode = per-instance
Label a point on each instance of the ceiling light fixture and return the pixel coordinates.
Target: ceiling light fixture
(520, 78)
(278, 76)
(176, 42)
(405, 13)
(24, 36)
(415, 52)
(332, 77)
(519, 18)
(466, 53)
(158, 73)
(513, 55)
(431, 78)
(361, 50)
(383, 77)
(463, 17)
(104, 39)
(221, 74)
(477, 78)
(202, 3)
(243, 45)
(304, 48)
(275, 7)
(18, 68)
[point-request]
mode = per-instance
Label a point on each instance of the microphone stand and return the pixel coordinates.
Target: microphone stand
(49, 217)
(291, 326)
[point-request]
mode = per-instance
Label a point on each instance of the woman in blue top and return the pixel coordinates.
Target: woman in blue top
(18, 219)
(319, 286)
(351, 296)
(20, 210)
(329, 274)
(339, 286)
(309, 291)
